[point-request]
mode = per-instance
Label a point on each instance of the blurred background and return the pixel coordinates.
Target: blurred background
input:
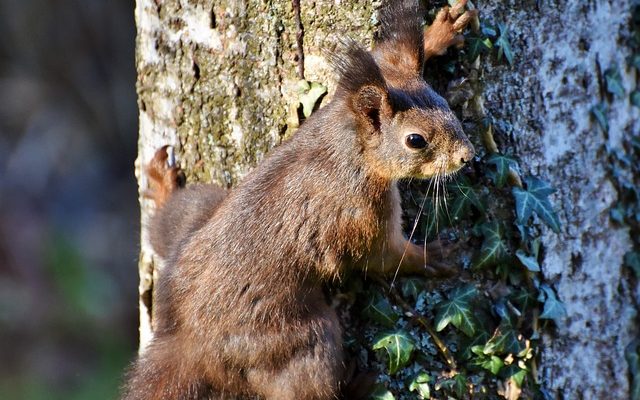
(68, 200)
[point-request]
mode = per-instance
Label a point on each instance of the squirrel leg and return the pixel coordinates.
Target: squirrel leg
(446, 28)
(313, 372)
(164, 177)
(408, 258)
(397, 255)
(180, 210)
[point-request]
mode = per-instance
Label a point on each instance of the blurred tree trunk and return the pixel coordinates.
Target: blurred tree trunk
(218, 80)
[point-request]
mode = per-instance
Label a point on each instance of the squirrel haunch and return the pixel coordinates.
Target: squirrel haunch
(239, 305)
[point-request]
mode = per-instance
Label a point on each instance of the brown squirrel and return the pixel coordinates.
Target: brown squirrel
(240, 311)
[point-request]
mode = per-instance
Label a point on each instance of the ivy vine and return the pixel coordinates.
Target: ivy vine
(476, 336)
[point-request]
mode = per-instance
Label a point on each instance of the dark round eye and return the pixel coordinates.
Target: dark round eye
(415, 141)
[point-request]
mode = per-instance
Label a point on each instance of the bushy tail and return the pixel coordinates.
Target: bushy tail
(155, 375)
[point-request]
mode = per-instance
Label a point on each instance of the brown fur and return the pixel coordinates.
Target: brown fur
(240, 309)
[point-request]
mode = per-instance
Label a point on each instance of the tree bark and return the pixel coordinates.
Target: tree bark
(218, 80)
(542, 105)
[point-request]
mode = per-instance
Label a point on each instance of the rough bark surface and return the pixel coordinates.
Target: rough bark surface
(218, 81)
(542, 105)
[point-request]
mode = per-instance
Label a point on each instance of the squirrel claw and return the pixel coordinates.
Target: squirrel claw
(440, 258)
(446, 28)
(164, 176)
(439, 269)
(457, 9)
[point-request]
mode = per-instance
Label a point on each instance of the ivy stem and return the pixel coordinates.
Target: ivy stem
(413, 314)
(534, 325)
(489, 141)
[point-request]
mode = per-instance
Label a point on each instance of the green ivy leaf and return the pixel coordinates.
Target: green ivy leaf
(614, 81)
(314, 92)
(420, 384)
(535, 199)
(492, 363)
(634, 98)
(502, 164)
(433, 221)
(476, 46)
(411, 287)
(466, 197)
(460, 208)
(523, 299)
(494, 250)
(479, 339)
(505, 340)
(399, 347)
(632, 260)
(530, 262)
(380, 392)
(599, 111)
(458, 311)
(553, 308)
(379, 310)
(456, 385)
(515, 373)
(503, 45)
(460, 386)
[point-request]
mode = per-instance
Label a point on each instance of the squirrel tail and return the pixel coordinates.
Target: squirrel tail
(180, 210)
(156, 374)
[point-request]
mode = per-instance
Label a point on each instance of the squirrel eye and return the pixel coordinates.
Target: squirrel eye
(415, 141)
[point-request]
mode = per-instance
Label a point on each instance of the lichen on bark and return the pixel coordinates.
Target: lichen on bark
(217, 81)
(542, 108)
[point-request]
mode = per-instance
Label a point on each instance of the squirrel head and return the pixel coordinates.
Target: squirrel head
(405, 129)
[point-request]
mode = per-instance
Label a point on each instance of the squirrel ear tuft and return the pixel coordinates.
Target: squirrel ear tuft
(356, 68)
(362, 83)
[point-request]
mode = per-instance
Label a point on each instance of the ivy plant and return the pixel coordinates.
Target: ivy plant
(477, 334)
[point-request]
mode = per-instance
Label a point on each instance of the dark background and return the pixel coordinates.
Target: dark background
(68, 199)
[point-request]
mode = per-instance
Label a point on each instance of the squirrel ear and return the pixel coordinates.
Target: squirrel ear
(362, 83)
(371, 104)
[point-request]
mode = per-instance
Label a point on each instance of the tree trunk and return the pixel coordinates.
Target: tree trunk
(220, 82)
(542, 105)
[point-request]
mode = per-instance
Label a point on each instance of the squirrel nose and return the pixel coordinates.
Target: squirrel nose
(465, 153)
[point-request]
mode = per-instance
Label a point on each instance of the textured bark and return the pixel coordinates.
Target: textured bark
(218, 81)
(542, 105)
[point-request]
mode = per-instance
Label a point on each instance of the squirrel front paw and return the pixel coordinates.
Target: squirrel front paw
(164, 177)
(441, 256)
(446, 29)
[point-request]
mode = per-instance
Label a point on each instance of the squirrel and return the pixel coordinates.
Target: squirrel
(239, 306)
